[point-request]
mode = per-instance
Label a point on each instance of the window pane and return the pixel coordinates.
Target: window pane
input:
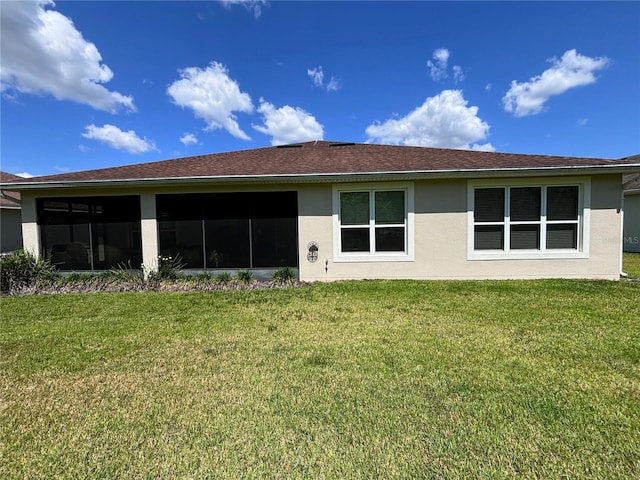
(390, 239)
(525, 204)
(562, 236)
(489, 205)
(355, 239)
(525, 237)
(227, 243)
(489, 237)
(354, 208)
(562, 203)
(274, 242)
(389, 207)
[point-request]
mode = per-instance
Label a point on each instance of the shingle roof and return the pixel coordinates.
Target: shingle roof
(4, 202)
(326, 158)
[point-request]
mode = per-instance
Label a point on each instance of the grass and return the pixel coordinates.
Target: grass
(402, 379)
(631, 264)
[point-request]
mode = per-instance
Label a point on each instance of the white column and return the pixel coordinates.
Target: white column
(30, 232)
(149, 231)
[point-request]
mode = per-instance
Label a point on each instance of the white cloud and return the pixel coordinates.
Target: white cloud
(570, 71)
(287, 124)
(458, 74)
(189, 139)
(44, 53)
(317, 76)
(254, 6)
(583, 121)
(333, 85)
(116, 138)
(213, 96)
(438, 68)
(24, 175)
(443, 121)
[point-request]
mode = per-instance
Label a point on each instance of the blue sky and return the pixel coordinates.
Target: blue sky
(96, 84)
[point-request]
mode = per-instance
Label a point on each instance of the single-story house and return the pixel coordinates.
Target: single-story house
(10, 218)
(631, 231)
(338, 211)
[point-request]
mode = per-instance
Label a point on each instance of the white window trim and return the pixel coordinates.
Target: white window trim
(584, 219)
(406, 256)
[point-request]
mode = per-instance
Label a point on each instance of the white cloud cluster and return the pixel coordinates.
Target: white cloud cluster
(254, 6)
(213, 96)
(570, 71)
(288, 124)
(439, 67)
(189, 139)
(317, 76)
(443, 121)
(44, 53)
(118, 139)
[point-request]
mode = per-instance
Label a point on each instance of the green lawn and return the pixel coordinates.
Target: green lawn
(631, 264)
(528, 379)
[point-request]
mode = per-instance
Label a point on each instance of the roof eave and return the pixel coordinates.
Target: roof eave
(329, 177)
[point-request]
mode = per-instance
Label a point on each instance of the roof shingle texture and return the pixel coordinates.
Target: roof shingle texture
(8, 177)
(323, 157)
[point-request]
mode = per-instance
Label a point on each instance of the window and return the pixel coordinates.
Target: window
(373, 223)
(229, 230)
(528, 221)
(91, 233)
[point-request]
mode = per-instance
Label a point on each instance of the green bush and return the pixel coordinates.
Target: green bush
(223, 277)
(125, 275)
(285, 276)
(169, 267)
(21, 269)
(245, 276)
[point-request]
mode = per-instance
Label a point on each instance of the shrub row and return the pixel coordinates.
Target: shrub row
(23, 273)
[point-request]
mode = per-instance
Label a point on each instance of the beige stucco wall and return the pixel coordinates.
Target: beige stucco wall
(632, 222)
(440, 233)
(440, 224)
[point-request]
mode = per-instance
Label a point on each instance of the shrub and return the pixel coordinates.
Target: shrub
(169, 267)
(21, 269)
(126, 277)
(223, 277)
(284, 276)
(245, 276)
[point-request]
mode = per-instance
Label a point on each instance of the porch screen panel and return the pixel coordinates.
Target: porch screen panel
(274, 236)
(180, 229)
(235, 230)
(91, 233)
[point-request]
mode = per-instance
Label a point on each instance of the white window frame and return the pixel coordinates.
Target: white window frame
(583, 221)
(373, 256)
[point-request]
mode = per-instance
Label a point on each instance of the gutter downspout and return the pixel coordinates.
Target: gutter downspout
(10, 198)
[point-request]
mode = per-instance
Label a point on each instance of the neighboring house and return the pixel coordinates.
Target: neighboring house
(631, 232)
(10, 217)
(338, 211)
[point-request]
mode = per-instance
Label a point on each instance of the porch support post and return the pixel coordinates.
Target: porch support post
(149, 232)
(30, 232)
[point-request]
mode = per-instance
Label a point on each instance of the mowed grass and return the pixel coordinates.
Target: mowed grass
(631, 264)
(372, 379)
